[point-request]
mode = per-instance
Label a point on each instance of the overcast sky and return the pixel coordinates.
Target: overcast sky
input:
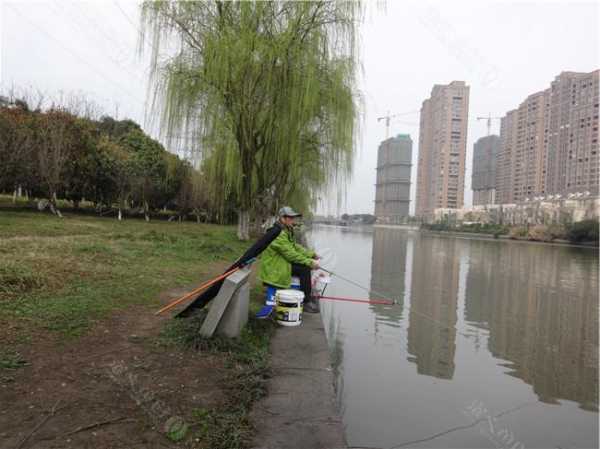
(503, 50)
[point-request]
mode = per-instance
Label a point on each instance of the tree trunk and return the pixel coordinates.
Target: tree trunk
(54, 208)
(243, 230)
(121, 204)
(146, 211)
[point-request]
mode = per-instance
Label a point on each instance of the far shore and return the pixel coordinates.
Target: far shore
(459, 234)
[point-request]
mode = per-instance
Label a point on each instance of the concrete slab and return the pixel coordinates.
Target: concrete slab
(220, 304)
(299, 411)
(236, 315)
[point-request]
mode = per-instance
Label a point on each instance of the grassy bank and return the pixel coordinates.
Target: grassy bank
(62, 275)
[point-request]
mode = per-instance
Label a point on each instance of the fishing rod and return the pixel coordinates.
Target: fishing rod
(391, 301)
(362, 301)
(394, 302)
(202, 287)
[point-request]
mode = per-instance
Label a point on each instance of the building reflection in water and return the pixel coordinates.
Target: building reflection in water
(535, 307)
(390, 278)
(432, 315)
(541, 309)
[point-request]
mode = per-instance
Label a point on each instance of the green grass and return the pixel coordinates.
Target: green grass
(228, 427)
(11, 360)
(62, 275)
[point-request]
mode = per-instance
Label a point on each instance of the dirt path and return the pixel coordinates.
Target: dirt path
(113, 388)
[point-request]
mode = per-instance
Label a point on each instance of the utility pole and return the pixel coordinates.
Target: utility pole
(489, 119)
(388, 119)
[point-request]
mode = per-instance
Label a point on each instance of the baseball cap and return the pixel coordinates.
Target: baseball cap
(287, 211)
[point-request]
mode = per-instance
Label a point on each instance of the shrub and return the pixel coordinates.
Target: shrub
(584, 231)
(518, 232)
(539, 233)
(557, 231)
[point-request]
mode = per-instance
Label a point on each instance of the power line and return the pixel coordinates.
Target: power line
(105, 37)
(113, 41)
(132, 23)
(77, 56)
(126, 16)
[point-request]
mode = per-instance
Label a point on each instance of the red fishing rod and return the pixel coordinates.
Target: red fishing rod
(363, 301)
(385, 301)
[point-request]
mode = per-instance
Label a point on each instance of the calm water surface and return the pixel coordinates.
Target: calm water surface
(491, 345)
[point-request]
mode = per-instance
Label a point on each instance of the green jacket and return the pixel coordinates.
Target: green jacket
(277, 259)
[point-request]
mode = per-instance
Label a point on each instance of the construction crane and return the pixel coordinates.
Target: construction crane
(389, 117)
(489, 119)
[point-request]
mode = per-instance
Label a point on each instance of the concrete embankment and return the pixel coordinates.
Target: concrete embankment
(399, 226)
(299, 410)
(506, 238)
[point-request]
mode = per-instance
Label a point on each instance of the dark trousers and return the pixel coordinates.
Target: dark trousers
(303, 272)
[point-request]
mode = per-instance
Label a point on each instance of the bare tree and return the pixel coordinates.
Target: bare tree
(54, 145)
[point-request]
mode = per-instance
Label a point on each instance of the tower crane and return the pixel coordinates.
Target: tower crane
(489, 119)
(389, 117)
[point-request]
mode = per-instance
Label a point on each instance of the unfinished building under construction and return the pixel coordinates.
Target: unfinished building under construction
(392, 190)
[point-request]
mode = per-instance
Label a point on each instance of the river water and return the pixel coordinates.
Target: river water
(492, 344)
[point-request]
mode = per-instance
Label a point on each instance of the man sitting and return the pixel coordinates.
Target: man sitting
(284, 258)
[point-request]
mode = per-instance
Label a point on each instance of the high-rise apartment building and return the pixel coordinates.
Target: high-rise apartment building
(483, 179)
(549, 145)
(392, 190)
(572, 141)
(521, 160)
(442, 148)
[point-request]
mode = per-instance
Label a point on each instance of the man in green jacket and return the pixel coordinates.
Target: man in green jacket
(284, 258)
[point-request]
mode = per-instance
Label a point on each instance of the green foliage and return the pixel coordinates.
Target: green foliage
(584, 231)
(65, 274)
(264, 90)
(115, 129)
(15, 139)
(543, 233)
(56, 155)
(477, 228)
(177, 429)
(518, 232)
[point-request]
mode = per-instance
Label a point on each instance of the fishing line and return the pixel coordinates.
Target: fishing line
(368, 290)
(394, 302)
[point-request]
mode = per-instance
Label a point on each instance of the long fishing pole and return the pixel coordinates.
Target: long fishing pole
(410, 309)
(356, 284)
(362, 301)
(204, 286)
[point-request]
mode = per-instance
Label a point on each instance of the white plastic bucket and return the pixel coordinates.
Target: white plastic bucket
(288, 311)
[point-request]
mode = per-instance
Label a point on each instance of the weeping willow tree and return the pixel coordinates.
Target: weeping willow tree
(264, 92)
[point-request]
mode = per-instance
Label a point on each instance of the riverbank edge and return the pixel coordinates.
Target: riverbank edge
(506, 238)
(299, 410)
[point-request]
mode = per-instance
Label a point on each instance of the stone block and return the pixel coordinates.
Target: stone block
(220, 305)
(236, 314)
